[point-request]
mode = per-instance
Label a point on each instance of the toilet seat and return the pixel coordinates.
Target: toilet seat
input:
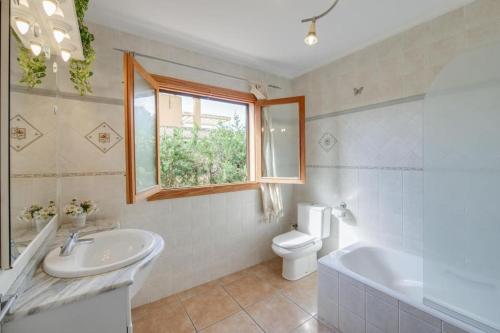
(293, 240)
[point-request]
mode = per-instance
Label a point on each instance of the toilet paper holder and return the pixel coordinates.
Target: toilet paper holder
(340, 211)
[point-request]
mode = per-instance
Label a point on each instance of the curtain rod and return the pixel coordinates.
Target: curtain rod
(190, 66)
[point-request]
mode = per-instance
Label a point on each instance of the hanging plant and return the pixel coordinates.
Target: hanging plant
(80, 70)
(33, 67)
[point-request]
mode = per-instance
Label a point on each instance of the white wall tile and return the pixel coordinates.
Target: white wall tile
(419, 314)
(403, 65)
(352, 295)
(381, 313)
(448, 328)
(349, 322)
(411, 324)
(328, 311)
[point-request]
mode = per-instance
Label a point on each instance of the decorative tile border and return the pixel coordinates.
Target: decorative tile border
(351, 167)
(65, 95)
(67, 174)
(368, 107)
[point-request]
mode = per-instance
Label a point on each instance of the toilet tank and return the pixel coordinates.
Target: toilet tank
(314, 219)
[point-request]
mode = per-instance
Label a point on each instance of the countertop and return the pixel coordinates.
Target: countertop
(45, 292)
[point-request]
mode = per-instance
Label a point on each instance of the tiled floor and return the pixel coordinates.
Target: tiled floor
(255, 300)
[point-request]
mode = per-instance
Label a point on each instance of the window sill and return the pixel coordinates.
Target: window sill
(202, 190)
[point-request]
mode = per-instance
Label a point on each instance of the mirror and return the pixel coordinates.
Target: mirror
(32, 143)
(282, 155)
(4, 135)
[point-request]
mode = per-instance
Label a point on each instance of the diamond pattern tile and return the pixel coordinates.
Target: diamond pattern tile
(327, 141)
(103, 137)
(22, 133)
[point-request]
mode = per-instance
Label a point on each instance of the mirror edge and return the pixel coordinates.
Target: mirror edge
(5, 262)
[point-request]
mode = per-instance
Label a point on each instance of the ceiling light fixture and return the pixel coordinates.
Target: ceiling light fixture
(312, 37)
(59, 35)
(22, 25)
(36, 48)
(49, 6)
(65, 55)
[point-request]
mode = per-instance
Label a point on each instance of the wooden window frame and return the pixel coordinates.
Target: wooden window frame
(173, 85)
(301, 179)
(130, 66)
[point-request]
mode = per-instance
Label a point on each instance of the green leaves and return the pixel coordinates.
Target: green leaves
(196, 157)
(80, 70)
(33, 67)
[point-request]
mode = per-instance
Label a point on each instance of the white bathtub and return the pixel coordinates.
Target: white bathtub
(398, 274)
(354, 285)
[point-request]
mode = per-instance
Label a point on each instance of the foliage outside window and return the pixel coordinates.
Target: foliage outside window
(202, 141)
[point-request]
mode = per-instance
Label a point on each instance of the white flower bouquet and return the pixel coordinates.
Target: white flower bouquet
(28, 213)
(38, 215)
(78, 211)
(46, 213)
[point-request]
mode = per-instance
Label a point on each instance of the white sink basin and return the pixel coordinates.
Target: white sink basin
(111, 250)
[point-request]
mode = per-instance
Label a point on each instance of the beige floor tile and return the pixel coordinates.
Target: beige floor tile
(250, 290)
(313, 326)
(233, 277)
(257, 269)
(277, 314)
(210, 307)
(304, 293)
(166, 307)
(203, 288)
(275, 264)
(158, 323)
(273, 276)
(238, 323)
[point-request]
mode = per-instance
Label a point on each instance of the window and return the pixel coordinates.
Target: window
(185, 138)
(202, 141)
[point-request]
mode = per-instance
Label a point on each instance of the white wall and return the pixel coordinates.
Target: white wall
(206, 237)
(376, 164)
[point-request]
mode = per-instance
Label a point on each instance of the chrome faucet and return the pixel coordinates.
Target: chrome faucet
(72, 241)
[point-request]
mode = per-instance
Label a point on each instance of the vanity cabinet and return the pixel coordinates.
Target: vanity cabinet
(108, 312)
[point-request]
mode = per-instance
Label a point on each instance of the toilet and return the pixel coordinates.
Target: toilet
(299, 248)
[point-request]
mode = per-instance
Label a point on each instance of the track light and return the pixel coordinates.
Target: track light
(22, 25)
(36, 48)
(311, 37)
(59, 35)
(49, 6)
(65, 55)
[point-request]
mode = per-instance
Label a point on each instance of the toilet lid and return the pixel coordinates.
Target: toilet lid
(293, 239)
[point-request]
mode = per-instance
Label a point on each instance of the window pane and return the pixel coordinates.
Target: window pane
(145, 134)
(280, 141)
(203, 141)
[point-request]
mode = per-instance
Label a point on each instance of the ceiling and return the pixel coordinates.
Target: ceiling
(267, 34)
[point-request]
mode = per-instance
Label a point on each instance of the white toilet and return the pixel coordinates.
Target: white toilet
(299, 248)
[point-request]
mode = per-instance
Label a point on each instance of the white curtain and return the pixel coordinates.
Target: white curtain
(272, 200)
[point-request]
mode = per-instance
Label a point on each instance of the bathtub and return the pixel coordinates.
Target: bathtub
(365, 288)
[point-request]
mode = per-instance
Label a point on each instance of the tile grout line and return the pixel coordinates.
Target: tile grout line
(279, 292)
(242, 308)
(300, 307)
(186, 312)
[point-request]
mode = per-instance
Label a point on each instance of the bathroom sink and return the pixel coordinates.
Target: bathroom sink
(111, 250)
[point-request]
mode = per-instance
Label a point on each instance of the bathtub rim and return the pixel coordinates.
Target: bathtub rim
(332, 264)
